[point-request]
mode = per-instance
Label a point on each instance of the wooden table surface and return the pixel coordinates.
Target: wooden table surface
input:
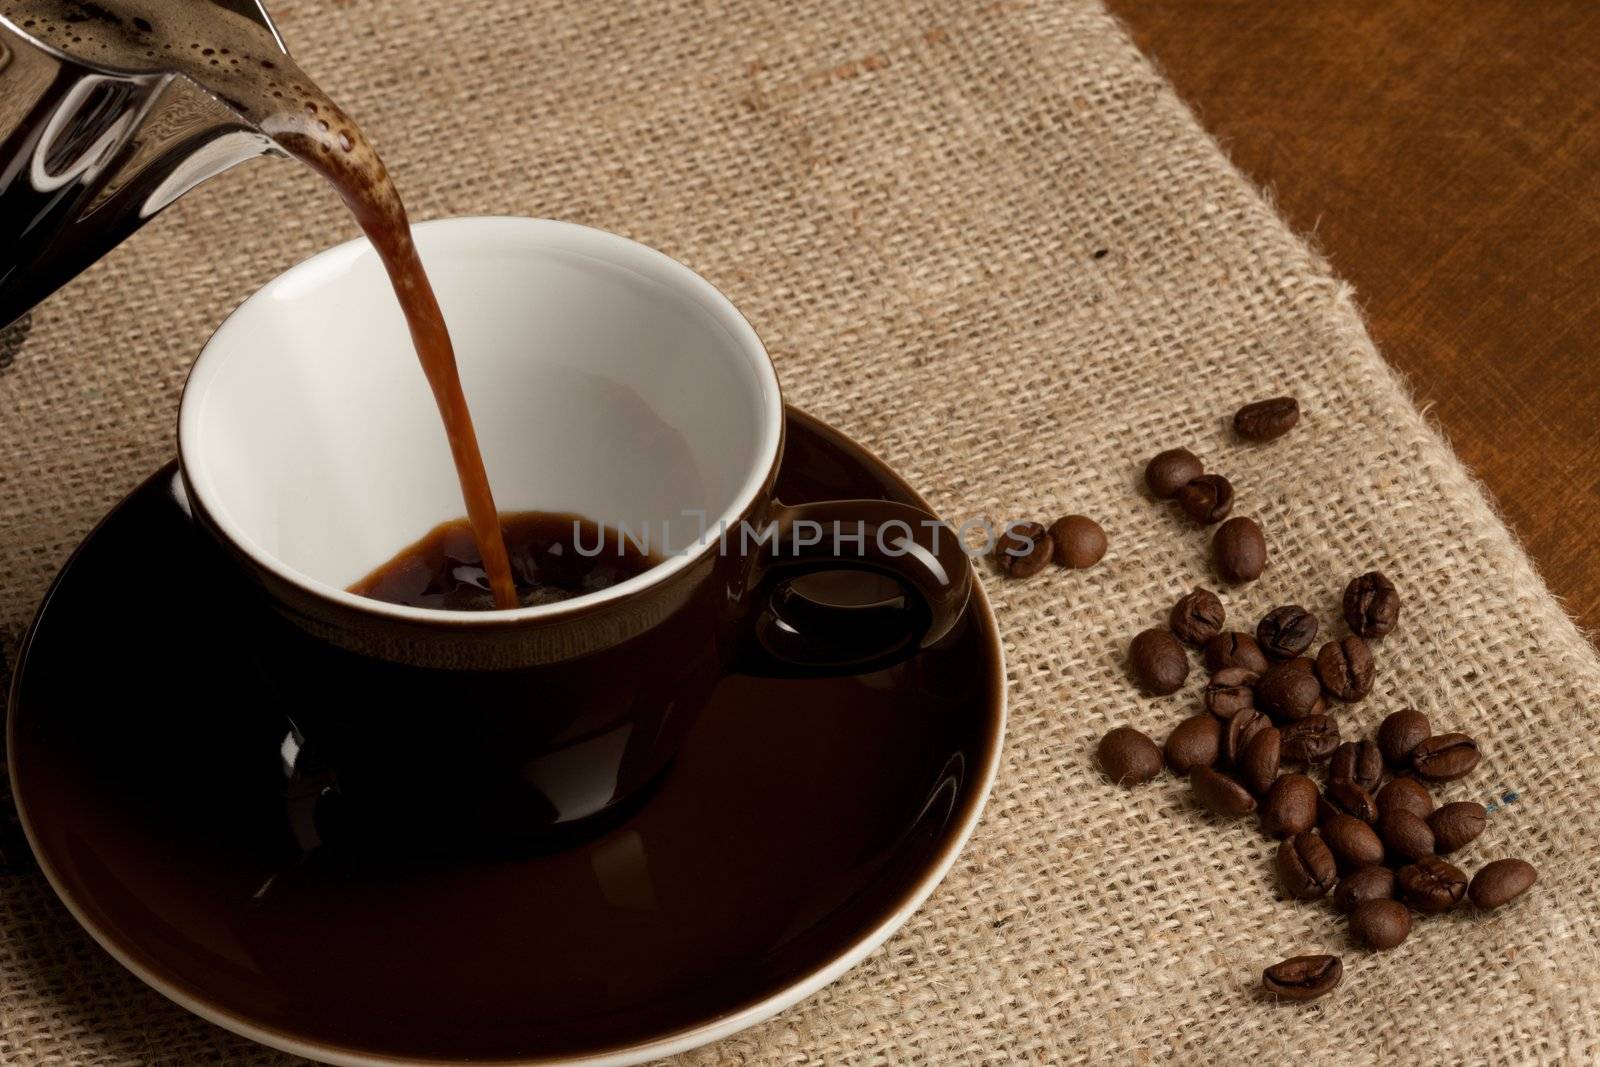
(1445, 156)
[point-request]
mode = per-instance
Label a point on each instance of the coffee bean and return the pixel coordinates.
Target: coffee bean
(1445, 757)
(1456, 825)
(1353, 843)
(1401, 732)
(1023, 549)
(1299, 663)
(1301, 978)
(1501, 882)
(1197, 617)
(1258, 765)
(1431, 885)
(1234, 649)
(1172, 470)
(1267, 420)
(1306, 868)
(1405, 794)
(1363, 883)
(1194, 742)
(1290, 807)
(1230, 691)
(1207, 499)
(1351, 799)
(1311, 739)
(1371, 605)
(1358, 763)
(1346, 668)
(1079, 541)
(1290, 690)
(1159, 664)
(1238, 550)
(1128, 756)
(1239, 732)
(1286, 632)
(1380, 924)
(1406, 836)
(1220, 794)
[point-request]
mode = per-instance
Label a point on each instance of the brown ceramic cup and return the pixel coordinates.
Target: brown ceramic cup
(605, 380)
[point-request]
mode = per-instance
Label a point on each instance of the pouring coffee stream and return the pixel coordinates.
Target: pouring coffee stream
(236, 58)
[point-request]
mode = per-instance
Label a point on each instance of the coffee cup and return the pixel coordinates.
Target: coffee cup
(605, 379)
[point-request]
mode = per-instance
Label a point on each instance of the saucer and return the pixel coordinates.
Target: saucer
(802, 823)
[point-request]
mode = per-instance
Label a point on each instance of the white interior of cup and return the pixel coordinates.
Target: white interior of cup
(604, 379)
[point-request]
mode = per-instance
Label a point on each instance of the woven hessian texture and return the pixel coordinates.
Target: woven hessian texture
(986, 240)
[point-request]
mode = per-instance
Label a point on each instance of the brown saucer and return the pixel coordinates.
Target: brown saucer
(803, 821)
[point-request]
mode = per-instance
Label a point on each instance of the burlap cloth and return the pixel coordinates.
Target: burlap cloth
(987, 240)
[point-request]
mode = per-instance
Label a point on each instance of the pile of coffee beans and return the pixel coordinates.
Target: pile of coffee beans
(1072, 541)
(1370, 838)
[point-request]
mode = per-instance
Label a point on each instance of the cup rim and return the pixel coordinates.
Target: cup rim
(615, 249)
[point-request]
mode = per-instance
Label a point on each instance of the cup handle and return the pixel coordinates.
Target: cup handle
(790, 635)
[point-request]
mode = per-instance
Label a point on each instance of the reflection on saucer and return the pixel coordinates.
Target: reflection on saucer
(623, 872)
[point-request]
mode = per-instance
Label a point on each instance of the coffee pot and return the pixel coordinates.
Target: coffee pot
(88, 154)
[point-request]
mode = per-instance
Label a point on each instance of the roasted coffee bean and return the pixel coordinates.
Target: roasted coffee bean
(1207, 499)
(1445, 757)
(1220, 794)
(1299, 663)
(1197, 617)
(1405, 794)
(1501, 882)
(1351, 799)
(1267, 420)
(1311, 739)
(1172, 470)
(1286, 632)
(1353, 843)
(1380, 924)
(1371, 605)
(1239, 732)
(1301, 978)
(1456, 825)
(1290, 690)
(1230, 691)
(1401, 732)
(1357, 762)
(1234, 649)
(1363, 883)
(1406, 836)
(1194, 742)
(1306, 868)
(1079, 541)
(1023, 549)
(1290, 807)
(1128, 756)
(1346, 668)
(1158, 663)
(1239, 550)
(1258, 766)
(1431, 885)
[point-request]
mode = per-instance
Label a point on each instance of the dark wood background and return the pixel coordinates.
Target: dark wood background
(1445, 156)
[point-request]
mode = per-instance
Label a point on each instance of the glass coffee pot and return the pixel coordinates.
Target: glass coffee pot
(88, 153)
